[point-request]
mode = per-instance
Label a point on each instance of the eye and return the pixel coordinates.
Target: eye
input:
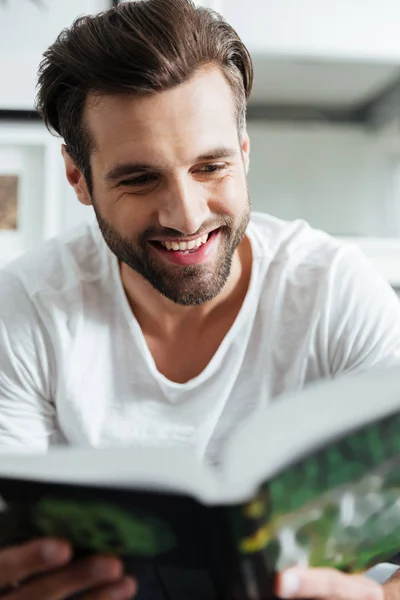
(210, 173)
(212, 168)
(140, 181)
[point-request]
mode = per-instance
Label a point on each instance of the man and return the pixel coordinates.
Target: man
(176, 313)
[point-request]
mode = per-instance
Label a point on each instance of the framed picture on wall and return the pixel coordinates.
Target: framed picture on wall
(31, 178)
(9, 205)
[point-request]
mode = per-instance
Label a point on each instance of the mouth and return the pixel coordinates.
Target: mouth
(189, 252)
(183, 246)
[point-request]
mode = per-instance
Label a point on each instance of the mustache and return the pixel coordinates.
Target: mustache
(169, 232)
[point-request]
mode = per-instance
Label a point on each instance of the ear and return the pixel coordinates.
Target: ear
(75, 178)
(246, 149)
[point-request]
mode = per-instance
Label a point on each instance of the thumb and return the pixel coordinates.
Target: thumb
(325, 583)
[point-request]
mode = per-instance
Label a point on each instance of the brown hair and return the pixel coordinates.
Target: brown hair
(140, 47)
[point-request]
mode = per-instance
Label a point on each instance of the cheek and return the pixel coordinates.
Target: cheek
(231, 194)
(128, 214)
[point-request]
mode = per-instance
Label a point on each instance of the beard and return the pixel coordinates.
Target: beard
(189, 285)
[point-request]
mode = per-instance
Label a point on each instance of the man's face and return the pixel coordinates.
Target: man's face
(169, 184)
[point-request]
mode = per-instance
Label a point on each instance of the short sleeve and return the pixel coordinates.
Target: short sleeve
(360, 316)
(27, 410)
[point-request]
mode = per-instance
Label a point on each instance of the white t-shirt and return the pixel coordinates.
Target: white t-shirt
(75, 367)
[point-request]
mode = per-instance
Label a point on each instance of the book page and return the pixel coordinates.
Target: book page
(297, 425)
(164, 469)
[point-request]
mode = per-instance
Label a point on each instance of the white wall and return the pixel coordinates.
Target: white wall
(338, 178)
(25, 32)
(350, 29)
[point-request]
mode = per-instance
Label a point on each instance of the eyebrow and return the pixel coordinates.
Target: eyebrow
(124, 169)
(218, 153)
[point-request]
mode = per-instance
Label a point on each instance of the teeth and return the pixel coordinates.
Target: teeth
(182, 246)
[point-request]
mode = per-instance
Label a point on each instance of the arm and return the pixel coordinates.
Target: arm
(27, 410)
(360, 320)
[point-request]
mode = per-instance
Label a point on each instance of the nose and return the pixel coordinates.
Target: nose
(184, 206)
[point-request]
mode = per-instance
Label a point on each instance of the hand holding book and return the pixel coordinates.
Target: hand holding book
(326, 584)
(45, 569)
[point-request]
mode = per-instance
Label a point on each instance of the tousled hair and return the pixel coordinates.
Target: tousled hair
(140, 47)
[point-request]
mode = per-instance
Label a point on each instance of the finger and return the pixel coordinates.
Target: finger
(391, 588)
(121, 590)
(20, 562)
(72, 579)
(326, 583)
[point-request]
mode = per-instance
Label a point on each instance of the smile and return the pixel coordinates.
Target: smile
(186, 245)
(190, 252)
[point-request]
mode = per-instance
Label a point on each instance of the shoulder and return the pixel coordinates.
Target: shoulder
(299, 253)
(60, 264)
(294, 242)
(45, 293)
(309, 267)
(326, 293)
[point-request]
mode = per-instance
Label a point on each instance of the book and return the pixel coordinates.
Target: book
(313, 478)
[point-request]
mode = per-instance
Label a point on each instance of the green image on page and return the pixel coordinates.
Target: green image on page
(102, 527)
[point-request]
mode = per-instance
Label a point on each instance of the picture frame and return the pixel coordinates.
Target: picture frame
(29, 153)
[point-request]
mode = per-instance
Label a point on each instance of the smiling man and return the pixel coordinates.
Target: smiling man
(175, 312)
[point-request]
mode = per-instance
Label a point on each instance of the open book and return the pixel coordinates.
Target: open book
(314, 478)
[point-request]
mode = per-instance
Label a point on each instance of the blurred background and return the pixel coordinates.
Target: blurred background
(324, 119)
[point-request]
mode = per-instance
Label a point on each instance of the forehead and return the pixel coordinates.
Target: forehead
(179, 122)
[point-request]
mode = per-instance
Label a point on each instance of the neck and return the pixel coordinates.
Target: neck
(154, 310)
